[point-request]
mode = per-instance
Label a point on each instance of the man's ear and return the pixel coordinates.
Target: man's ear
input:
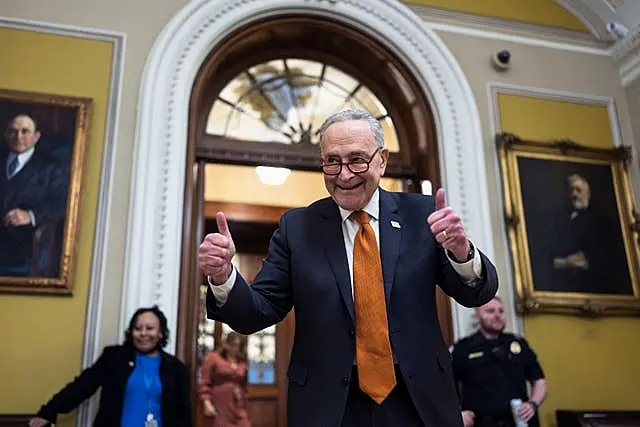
(36, 136)
(384, 155)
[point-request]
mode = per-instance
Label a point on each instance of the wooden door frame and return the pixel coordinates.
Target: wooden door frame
(188, 319)
(394, 84)
(244, 212)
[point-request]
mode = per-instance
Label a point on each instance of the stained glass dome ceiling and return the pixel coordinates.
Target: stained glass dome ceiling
(285, 101)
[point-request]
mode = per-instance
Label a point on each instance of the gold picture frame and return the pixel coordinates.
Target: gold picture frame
(572, 227)
(40, 199)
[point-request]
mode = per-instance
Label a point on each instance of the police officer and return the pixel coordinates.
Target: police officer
(491, 368)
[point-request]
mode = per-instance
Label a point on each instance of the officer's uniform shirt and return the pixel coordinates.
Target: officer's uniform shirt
(489, 373)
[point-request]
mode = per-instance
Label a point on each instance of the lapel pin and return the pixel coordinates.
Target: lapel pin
(131, 363)
(395, 224)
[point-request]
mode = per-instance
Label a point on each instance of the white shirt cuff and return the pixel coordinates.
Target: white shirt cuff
(469, 271)
(33, 218)
(221, 292)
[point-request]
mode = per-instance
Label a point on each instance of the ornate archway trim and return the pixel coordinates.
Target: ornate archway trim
(152, 259)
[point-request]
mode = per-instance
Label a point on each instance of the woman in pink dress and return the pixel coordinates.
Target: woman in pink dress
(223, 385)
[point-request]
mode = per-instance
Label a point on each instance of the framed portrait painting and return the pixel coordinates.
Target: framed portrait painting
(42, 156)
(572, 227)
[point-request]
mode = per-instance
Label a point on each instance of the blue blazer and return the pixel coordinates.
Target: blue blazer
(307, 269)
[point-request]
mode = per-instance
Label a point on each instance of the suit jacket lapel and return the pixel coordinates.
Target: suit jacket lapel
(4, 186)
(390, 237)
(332, 239)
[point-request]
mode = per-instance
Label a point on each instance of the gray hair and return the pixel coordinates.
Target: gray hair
(346, 115)
(578, 178)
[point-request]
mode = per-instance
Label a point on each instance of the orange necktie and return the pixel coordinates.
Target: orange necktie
(373, 349)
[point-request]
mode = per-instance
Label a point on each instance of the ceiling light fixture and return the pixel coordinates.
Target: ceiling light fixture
(272, 176)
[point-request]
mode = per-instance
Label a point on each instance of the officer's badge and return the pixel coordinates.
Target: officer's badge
(475, 355)
(515, 347)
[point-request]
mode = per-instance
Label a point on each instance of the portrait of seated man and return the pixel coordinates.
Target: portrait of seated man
(33, 195)
(585, 251)
(579, 247)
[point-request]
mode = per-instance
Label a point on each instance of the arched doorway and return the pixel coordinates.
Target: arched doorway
(259, 100)
(155, 235)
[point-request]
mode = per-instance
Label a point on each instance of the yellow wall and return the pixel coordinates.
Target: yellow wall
(542, 12)
(42, 336)
(589, 363)
(540, 119)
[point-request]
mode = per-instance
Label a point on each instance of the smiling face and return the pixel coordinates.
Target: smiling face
(348, 141)
(146, 333)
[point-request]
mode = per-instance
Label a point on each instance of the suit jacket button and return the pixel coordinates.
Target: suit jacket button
(352, 333)
(345, 381)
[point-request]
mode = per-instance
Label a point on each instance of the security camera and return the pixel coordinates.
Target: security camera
(502, 60)
(617, 29)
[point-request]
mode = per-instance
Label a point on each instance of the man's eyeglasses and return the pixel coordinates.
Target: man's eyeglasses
(356, 166)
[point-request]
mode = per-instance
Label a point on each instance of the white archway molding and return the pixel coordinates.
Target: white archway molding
(157, 195)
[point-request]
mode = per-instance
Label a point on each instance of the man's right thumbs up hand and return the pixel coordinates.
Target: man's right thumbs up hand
(216, 251)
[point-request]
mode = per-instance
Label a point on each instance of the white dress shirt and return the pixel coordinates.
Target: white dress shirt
(23, 158)
(468, 271)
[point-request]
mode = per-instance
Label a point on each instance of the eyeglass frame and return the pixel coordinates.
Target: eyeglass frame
(348, 164)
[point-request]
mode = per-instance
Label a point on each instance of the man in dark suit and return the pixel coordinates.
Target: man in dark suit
(33, 191)
(586, 252)
(360, 268)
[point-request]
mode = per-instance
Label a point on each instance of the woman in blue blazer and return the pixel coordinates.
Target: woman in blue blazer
(142, 386)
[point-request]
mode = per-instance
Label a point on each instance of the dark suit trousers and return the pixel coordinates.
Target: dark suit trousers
(396, 410)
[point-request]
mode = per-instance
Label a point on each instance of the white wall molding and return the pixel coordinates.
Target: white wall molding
(594, 19)
(627, 54)
(626, 51)
(91, 346)
(630, 67)
(64, 30)
(511, 31)
(495, 127)
(156, 207)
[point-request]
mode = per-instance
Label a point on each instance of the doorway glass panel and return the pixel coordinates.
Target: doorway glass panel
(261, 346)
(285, 101)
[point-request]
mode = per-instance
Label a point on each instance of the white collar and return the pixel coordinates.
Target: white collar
(22, 157)
(372, 208)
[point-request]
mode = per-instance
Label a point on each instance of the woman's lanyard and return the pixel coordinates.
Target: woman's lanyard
(148, 380)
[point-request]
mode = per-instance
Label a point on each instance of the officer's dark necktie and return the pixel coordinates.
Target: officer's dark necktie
(11, 168)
